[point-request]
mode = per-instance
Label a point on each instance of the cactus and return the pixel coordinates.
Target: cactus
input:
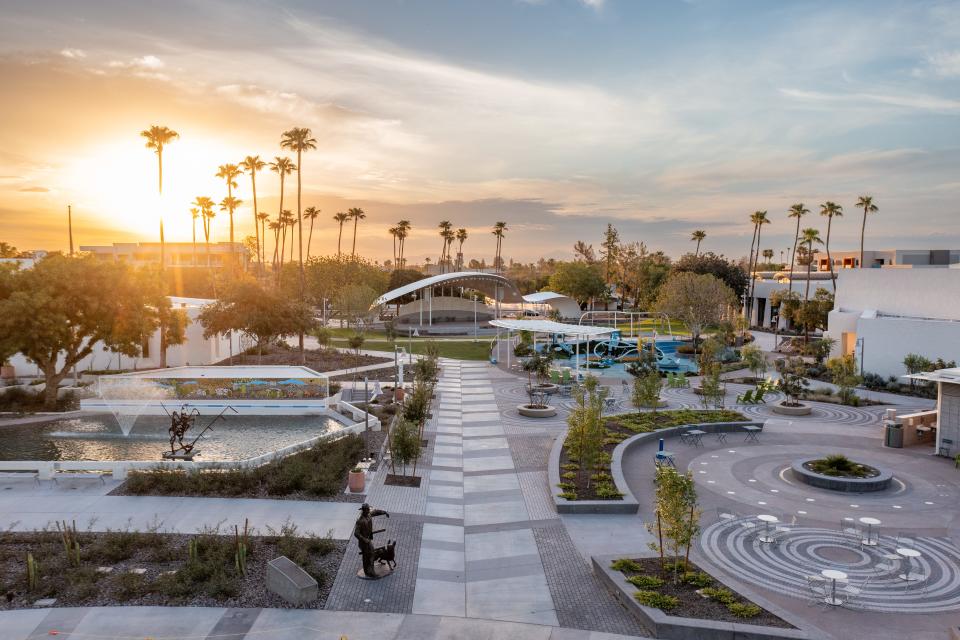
(71, 545)
(33, 571)
(241, 544)
(192, 550)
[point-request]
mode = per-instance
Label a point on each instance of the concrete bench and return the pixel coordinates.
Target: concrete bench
(20, 475)
(286, 579)
(94, 474)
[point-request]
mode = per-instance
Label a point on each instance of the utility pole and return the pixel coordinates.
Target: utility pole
(70, 226)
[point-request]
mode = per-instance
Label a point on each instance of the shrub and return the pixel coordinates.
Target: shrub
(607, 491)
(697, 579)
(721, 595)
(657, 600)
(744, 609)
(625, 564)
(645, 581)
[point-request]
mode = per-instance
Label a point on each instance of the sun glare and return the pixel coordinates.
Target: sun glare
(118, 182)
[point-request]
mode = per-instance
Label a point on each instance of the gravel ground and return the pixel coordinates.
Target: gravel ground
(161, 554)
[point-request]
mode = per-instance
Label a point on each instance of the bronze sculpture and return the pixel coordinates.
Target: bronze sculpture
(373, 557)
(180, 422)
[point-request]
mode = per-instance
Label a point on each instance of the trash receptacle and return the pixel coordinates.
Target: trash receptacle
(893, 434)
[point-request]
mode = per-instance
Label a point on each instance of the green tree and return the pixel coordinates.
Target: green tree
(340, 218)
(537, 367)
(797, 212)
(579, 280)
(405, 445)
(353, 303)
(229, 172)
(586, 428)
(311, 214)
(56, 313)
(698, 300)
(678, 514)
(8, 250)
(708, 262)
(843, 373)
(646, 390)
(283, 167)
(793, 381)
(916, 363)
(357, 214)
(754, 359)
(759, 218)
(865, 203)
(609, 251)
(499, 231)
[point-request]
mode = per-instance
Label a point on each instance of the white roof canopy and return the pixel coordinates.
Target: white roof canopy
(940, 375)
(486, 283)
(544, 296)
(549, 326)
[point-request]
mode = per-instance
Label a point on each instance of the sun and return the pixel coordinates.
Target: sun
(117, 181)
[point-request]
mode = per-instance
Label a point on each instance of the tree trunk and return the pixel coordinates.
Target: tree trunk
(863, 230)
(660, 536)
(163, 346)
(686, 557)
(52, 380)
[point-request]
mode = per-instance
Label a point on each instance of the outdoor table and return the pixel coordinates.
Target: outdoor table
(767, 520)
(752, 433)
(833, 575)
(721, 436)
(665, 456)
(909, 554)
(870, 541)
(694, 437)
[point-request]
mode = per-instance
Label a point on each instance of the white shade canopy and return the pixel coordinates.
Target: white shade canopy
(549, 326)
(486, 283)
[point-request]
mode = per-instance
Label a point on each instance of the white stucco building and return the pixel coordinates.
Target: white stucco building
(881, 315)
(196, 350)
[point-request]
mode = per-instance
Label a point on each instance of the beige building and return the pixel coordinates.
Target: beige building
(176, 254)
(888, 258)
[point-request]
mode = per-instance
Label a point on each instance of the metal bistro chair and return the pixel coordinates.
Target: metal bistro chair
(850, 529)
(817, 588)
(852, 593)
(890, 564)
(726, 516)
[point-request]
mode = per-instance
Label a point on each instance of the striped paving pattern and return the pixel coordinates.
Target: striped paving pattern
(806, 551)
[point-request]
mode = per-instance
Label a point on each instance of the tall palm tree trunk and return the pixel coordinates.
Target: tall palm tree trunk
(863, 230)
(353, 249)
(748, 307)
(793, 256)
(194, 242)
(697, 253)
(256, 225)
(833, 277)
(303, 356)
(806, 295)
(339, 238)
(310, 238)
(753, 280)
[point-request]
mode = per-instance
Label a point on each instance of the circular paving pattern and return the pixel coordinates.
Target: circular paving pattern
(803, 552)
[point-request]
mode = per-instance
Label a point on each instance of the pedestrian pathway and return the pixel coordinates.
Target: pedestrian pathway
(478, 555)
(214, 623)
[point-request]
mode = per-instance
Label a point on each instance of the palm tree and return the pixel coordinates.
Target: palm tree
(252, 164)
(796, 211)
(461, 238)
(298, 139)
(403, 230)
(275, 227)
(357, 214)
(286, 219)
(768, 255)
(292, 223)
(157, 138)
(758, 218)
(283, 167)
(830, 209)
(340, 218)
(699, 236)
(230, 204)
(228, 172)
(310, 213)
(865, 203)
(498, 230)
(195, 213)
(394, 232)
(207, 213)
(808, 237)
(262, 217)
(445, 226)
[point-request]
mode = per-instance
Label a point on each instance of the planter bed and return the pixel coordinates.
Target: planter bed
(693, 615)
(169, 577)
(545, 411)
(804, 474)
(788, 410)
(573, 496)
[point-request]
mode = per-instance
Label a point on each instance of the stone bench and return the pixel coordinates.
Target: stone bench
(286, 579)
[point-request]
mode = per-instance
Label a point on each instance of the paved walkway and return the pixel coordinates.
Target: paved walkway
(202, 623)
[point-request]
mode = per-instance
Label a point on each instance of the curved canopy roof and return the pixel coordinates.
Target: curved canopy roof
(544, 296)
(549, 326)
(484, 282)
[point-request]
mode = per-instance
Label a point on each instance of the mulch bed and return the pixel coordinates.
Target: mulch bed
(694, 605)
(212, 582)
(319, 360)
(395, 480)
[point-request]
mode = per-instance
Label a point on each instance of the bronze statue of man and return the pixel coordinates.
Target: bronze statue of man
(363, 532)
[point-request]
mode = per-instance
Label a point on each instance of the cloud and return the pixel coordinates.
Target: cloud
(944, 64)
(73, 53)
(144, 63)
(915, 101)
(596, 5)
(34, 189)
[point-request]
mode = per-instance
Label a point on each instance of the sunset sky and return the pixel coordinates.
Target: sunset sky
(556, 116)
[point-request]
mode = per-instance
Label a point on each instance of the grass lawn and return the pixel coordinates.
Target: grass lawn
(465, 349)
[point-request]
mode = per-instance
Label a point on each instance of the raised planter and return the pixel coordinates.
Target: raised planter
(628, 503)
(878, 482)
(547, 387)
(356, 480)
(786, 410)
(536, 412)
(664, 625)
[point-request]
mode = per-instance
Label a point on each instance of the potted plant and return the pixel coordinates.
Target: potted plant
(537, 366)
(793, 384)
(356, 480)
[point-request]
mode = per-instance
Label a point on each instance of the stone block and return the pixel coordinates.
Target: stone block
(286, 579)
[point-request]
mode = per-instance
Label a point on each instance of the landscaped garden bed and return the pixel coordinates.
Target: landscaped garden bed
(320, 360)
(577, 484)
(318, 473)
(690, 592)
(150, 568)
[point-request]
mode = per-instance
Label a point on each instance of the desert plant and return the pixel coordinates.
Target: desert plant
(645, 582)
(33, 573)
(744, 609)
(71, 545)
(241, 545)
(657, 600)
(721, 595)
(625, 564)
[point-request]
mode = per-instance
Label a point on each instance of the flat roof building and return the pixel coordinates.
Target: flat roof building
(176, 254)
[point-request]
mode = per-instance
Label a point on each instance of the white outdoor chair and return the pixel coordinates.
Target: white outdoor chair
(849, 529)
(891, 562)
(817, 588)
(786, 527)
(726, 516)
(852, 593)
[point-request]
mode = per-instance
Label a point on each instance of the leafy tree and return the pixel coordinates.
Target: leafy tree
(812, 313)
(405, 444)
(538, 368)
(57, 312)
(788, 302)
(261, 313)
(915, 363)
(697, 299)
(843, 373)
(8, 250)
(609, 251)
(646, 390)
(820, 349)
(579, 280)
(328, 275)
(755, 360)
(355, 342)
(793, 381)
(323, 336)
(353, 303)
(708, 262)
(643, 273)
(678, 514)
(586, 427)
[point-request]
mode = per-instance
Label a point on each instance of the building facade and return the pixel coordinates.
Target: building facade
(889, 258)
(175, 254)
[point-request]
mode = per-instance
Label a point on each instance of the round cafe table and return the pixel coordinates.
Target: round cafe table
(870, 541)
(909, 554)
(833, 575)
(767, 520)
